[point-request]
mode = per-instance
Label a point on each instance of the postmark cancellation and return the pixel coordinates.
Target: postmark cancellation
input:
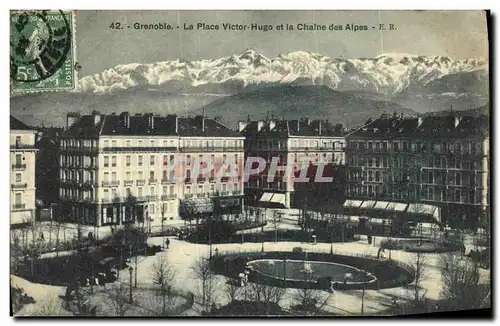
(42, 51)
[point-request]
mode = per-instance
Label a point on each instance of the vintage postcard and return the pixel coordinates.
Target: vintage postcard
(249, 163)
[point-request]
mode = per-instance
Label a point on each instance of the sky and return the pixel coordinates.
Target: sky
(457, 34)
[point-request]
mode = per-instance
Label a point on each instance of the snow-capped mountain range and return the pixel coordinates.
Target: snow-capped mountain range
(387, 73)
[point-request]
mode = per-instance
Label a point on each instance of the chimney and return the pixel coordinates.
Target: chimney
(308, 121)
(272, 124)
(457, 120)
(420, 119)
(151, 121)
(319, 127)
(125, 117)
(242, 125)
(298, 125)
(260, 124)
(97, 117)
(200, 121)
(71, 118)
(176, 124)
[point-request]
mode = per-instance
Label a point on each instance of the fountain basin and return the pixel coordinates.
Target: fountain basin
(309, 271)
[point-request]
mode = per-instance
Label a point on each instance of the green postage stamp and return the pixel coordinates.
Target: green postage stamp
(42, 52)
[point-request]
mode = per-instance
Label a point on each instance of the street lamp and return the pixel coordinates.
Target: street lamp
(130, 270)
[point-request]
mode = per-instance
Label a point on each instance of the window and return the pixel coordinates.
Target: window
(106, 176)
(152, 143)
(128, 192)
(224, 159)
(224, 187)
(152, 160)
(236, 158)
(171, 160)
(235, 186)
(106, 194)
(152, 191)
(18, 198)
(18, 177)
(165, 159)
(127, 143)
(140, 143)
(200, 189)
(113, 176)
(188, 160)
(165, 190)
(431, 177)
(212, 188)
(370, 145)
(127, 160)
(114, 193)
(188, 175)
(106, 161)
(172, 191)
(139, 162)
(113, 143)
(113, 161)
(151, 175)
(165, 175)
(141, 175)
(139, 191)
(128, 175)
(458, 179)
(19, 159)
(106, 143)
(152, 209)
(188, 189)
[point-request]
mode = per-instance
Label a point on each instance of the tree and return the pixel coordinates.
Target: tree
(461, 288)
(163, 275)
(232, 290)
(310, 301)
(202, 271)
(50, 306)
(418, 268)
(118, 295)
(268, 294)
(275, 221)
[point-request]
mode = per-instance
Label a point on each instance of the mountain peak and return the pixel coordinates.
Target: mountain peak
(387, 72)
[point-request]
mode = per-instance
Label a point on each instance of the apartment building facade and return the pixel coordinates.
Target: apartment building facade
(22, 176)
(437, 160)
(295, 143)
(117, 169)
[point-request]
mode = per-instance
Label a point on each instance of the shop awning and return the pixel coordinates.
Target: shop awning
(353, 203)
(275, 198)
(379, 221)
(266, 196)
(368, 204)
(197, 205)
(381, 205)
(397, 207)
(425, 209)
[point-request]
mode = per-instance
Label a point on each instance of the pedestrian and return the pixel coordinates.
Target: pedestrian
(42, 237)
(167, 242)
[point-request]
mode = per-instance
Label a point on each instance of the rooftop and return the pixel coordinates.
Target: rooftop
(147, 125)
(290, 128)
(448, 126)
(16, 124)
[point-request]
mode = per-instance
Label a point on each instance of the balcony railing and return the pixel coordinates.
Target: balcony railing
(188, 196)
(236, 192)
(152, 181)
(201, 179)
(166, 181)
(18, 166)
(19, 185)
(128, 183)
(110, 183)
(20, 146)
(211, 149)
(18, 206)
(167, 197)
(224, 193)
(140, 149)
(141, 182)
(152, 198)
